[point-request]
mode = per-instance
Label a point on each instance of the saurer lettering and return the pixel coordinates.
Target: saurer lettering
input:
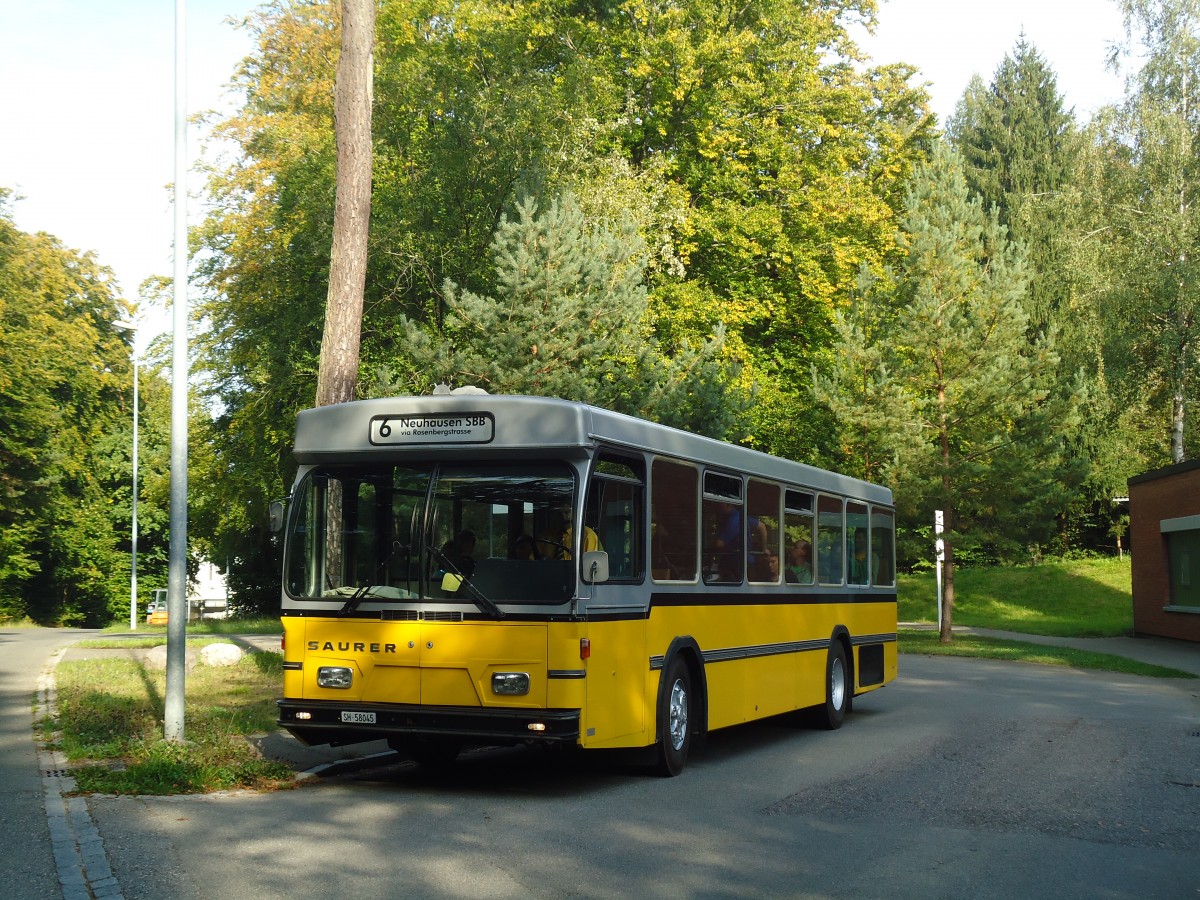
(347, 646)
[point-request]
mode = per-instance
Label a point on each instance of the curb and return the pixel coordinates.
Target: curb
(83, 868)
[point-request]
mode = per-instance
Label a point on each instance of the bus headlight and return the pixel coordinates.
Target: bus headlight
(513, 684)
(334, 677)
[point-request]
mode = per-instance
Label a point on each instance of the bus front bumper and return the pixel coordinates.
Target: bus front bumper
(334, 723)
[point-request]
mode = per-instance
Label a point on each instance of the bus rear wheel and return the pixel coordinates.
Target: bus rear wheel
(832, 713)
(674, 735)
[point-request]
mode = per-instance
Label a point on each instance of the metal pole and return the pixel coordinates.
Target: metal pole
(133, 613)
(177, 578)
(940, 551)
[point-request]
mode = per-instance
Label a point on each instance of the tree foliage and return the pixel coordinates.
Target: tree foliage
(65, 390)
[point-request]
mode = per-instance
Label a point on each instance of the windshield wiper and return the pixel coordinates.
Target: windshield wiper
(364, 590)
(477, 596)
(361, 593)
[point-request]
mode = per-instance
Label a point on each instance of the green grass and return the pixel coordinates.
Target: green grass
(258, 625)
(110, 723)
(926, 643)
(1062, 598)
(141, 642)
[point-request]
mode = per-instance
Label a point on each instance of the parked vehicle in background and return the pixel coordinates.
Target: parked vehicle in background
(156, 609)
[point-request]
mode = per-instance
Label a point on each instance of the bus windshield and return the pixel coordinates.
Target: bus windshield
(471, 533)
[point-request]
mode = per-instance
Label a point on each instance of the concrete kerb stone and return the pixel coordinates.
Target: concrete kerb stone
(79, 856)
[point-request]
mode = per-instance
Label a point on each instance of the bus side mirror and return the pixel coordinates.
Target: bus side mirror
(594, 564)
(276, 509)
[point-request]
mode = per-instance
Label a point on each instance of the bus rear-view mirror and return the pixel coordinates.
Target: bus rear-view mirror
(594, 564)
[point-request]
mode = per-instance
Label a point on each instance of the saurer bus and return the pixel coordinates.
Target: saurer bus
(467, 569)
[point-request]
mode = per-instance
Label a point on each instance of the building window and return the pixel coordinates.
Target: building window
(1183, 551)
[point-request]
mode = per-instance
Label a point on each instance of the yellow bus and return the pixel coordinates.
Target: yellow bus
(469, 569)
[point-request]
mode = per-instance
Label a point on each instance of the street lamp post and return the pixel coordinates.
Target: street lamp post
(133, 534)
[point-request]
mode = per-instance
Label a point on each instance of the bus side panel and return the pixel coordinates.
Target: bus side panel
(293, 655)
(616, 671)
(749, 670)
(567, 691)
(875, 665)
(874, 619)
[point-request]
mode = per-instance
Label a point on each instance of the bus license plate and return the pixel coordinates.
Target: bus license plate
(358, 718)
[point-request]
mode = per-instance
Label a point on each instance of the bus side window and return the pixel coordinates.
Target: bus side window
(674, 551)
(724, 529)
(883, 554)
(858, 544)
(798, 537)
(615, 510)
(762, 533)
(830, 543)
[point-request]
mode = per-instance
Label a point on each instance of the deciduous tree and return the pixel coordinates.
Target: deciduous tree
(65, 380)
(1155, 200)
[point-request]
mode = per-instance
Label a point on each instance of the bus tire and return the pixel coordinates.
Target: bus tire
(674, 731)
(832, 713)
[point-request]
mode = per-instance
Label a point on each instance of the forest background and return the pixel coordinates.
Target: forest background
(715, 215)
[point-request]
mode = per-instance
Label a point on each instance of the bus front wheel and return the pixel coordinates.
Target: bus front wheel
(674, 735)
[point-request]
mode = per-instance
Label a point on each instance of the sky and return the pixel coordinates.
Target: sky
(88, 109)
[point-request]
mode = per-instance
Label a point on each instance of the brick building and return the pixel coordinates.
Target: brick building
(1164, 537)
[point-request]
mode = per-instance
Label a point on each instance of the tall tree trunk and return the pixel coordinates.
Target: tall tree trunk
(338, 373)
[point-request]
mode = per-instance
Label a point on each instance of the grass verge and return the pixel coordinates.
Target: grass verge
(110, 720)
(262, 625)
(1088, 597)
(926, 643)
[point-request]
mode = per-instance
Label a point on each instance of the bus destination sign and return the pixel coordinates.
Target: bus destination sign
(433, 428)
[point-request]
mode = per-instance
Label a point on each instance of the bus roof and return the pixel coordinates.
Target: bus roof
(460, 426)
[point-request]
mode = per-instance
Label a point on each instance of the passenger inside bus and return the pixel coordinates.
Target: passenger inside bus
(770, 567)
(524, 547)
(799, 567)
(559, 536)
(460, 552)
(858, 558)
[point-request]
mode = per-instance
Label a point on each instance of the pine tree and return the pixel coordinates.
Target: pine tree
(1018, 145)
(568, 319)
(1022, 154)
(954, 387)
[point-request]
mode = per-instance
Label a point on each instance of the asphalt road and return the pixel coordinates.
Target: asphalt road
(965, 778)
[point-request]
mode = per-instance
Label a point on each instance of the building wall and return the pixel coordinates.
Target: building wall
(1165, 495)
